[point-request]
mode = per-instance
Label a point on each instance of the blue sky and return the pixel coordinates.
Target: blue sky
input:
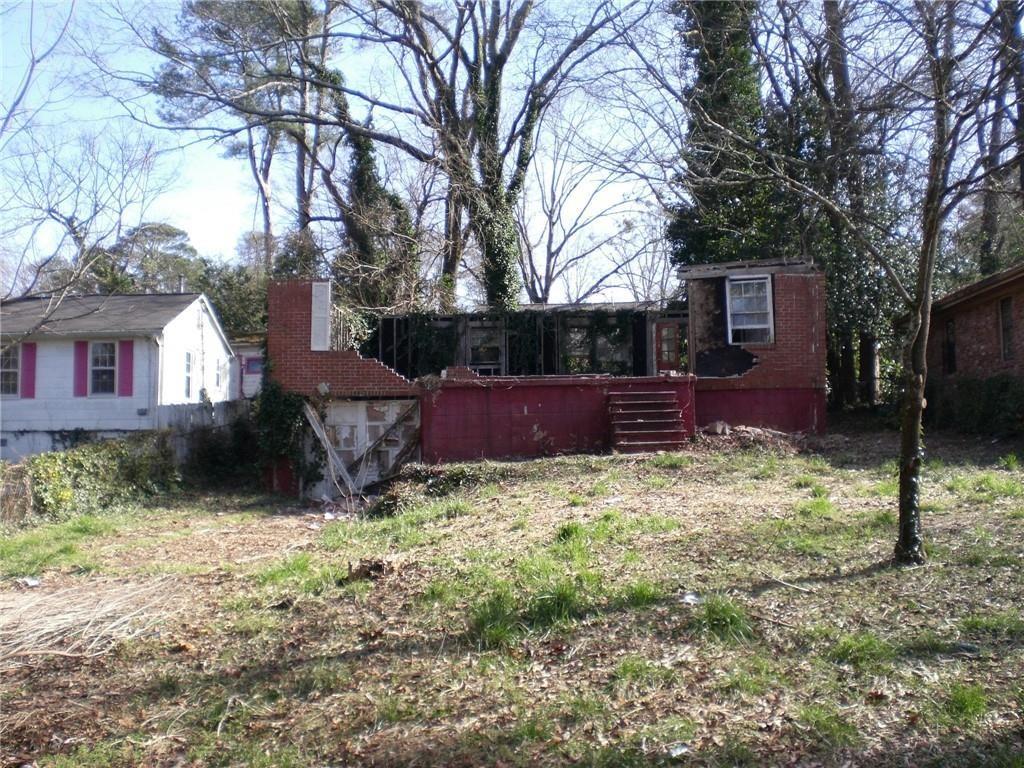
(208, 196)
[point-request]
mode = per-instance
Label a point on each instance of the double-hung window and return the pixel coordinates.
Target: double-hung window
(749, 302)
(188, 375)
(10, 370)
(103, 368)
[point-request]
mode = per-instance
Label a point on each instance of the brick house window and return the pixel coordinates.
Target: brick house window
(949, 359)
(9, 370)
(102, 367)
(485, 350)
(749, 302)
(1006, 327)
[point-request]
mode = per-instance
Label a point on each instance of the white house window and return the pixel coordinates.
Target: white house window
(188, 375)
(750, 310)
(9, 363)
(103, 367)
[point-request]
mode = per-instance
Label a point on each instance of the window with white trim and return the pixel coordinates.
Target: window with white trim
(102, 368)
(188, 375)
(10, 365)
(749, 302)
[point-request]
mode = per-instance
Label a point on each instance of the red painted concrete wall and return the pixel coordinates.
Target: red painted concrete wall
(299, 369)
(979, 353)
(786, 387)
(469, 417)
(789, 410)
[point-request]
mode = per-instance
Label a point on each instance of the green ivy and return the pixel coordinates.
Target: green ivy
(281, 429)
(91, 477)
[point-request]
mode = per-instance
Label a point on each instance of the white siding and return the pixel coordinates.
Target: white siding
(194, 332)
(55, 406)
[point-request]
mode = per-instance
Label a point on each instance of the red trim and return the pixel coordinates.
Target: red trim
(81, 368)
(28, 370)
(125, 367)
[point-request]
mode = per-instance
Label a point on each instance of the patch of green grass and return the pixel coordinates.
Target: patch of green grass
(640, 594)
(1005, 624)
(925, 643)
(1010, 462)
(412, 526)
(390, 709)
(671, 461)
(964, 705)
(985, 487)
(723, 619)
(321, 678)
(600, 488)
(657, 482)
(562, 600)
(828, 725)
(105, 754)
(767, 469)
(635, 673)
(582, 708)
(811, 483)
(819, 507)
(300, 573)
(575, 500)
(861, 649)
(51, 546)
(494, 620)
(755, 676)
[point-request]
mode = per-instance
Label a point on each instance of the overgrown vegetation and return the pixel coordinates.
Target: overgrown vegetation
(561, 611)
(87, 479)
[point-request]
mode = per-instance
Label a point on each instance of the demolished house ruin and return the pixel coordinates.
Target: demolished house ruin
(748, 348)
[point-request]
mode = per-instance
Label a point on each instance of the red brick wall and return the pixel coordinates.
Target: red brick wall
(785, 389)
(299, 369)
(467, 417)
(978, 343)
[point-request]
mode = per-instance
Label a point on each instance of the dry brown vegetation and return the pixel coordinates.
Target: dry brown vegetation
(723, 606)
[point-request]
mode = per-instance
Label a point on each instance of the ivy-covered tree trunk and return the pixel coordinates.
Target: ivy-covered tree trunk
(499, 241)
(909, 543)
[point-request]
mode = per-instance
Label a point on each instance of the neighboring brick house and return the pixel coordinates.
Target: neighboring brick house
(976, 356)
(757, 336)
(977, 332)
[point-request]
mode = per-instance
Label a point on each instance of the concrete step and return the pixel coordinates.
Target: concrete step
(630, 397)
(650, 436)
(629, 427)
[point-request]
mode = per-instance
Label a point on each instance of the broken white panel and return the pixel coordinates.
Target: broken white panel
(320, 322)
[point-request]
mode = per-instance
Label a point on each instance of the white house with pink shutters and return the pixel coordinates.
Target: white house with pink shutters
(101, 366)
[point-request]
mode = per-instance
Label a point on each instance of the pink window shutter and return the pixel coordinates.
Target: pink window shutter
(28, 369)
(125, 367)
(81, 368)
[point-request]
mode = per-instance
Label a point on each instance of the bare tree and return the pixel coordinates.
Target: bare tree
(573, 218)
(65, 204)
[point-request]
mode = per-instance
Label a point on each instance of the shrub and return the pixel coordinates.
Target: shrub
(94, 476)
(988, 406)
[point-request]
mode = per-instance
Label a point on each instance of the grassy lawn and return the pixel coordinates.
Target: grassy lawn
(714, 607)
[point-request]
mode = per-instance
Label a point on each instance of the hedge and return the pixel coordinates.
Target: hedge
(993, 406)
(89, 478)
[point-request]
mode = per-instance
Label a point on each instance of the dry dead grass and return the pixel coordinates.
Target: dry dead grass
(543, 613)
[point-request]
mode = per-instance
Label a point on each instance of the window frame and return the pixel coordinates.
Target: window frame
(16, 348)
(189, 363)
(770, 297)
(92, 368)
(1005, 328)
(248, 361)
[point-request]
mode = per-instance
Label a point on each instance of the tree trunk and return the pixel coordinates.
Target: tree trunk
(451, 258)
(1010, 15)
(868, 348)
(988, 258)
(499, 243)
(847, 383)
(909, 548)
